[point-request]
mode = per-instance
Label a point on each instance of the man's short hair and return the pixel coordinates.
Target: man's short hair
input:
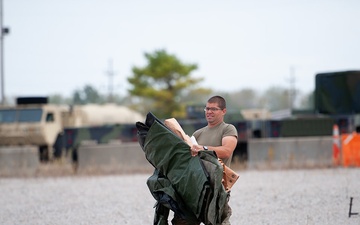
(219, 100)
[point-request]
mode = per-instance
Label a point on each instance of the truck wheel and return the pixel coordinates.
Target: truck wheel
(44, 153)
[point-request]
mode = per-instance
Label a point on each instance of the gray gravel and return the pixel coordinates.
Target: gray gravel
(318, 196)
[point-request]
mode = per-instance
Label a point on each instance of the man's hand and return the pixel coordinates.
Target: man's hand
(195, 149)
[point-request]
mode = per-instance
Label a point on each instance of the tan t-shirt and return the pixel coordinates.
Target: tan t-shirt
(213, 136)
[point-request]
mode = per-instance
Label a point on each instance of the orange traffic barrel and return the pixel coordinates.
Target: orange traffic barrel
(336, 146)
(351, 149)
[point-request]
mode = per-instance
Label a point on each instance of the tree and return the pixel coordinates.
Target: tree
(275, 98)
(59, 99)
(307, 101)
(88, 95)
(162, 82)
(244, 99)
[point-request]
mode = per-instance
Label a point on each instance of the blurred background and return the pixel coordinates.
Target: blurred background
(59, 48)
(286, 68)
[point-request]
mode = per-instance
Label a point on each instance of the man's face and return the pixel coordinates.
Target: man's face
(213, 113)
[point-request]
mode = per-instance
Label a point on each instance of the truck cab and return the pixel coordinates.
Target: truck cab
(31, 122)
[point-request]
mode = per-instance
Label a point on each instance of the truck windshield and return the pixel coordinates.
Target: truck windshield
(22, 115)
(30, 115)
(7, 115)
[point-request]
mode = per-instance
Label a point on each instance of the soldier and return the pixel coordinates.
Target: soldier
(217, 136)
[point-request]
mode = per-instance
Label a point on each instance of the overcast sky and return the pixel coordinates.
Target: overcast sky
(59, 46)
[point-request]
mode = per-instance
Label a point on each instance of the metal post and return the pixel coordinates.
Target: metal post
(2, 55)
(292, 88)
(111, 75)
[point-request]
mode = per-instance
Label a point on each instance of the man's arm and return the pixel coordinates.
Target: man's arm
(224, 151)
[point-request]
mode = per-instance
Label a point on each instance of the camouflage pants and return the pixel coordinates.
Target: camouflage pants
(177, 220)
(226, 215)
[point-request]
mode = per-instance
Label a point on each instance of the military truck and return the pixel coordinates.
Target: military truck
(62, 129)
(55, 129)
(337, 94)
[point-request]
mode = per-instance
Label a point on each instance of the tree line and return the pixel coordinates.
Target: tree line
(165, 86)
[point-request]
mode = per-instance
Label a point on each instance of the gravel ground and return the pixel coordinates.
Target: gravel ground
(317, 196)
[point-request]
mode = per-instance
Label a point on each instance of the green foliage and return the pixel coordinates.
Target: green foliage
(162, 83)
(276, 98)
(307, 101)
(88, 95)
(59, 99)
(273, 99)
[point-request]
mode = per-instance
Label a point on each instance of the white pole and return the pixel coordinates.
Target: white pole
(2, 55)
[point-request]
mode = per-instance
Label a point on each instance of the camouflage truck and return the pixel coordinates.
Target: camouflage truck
(56, 129)
(73, 137)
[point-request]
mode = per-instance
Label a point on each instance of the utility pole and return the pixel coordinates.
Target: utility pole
(292, 87)
(3, 31)
(110, 72)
